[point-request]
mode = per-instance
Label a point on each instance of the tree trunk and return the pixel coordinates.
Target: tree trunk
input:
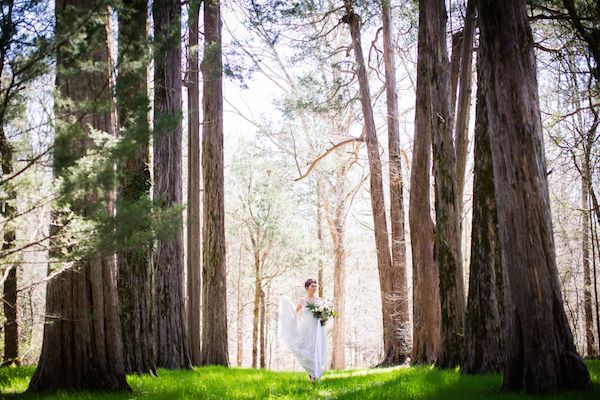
(320, 240)
(384, 261)
(585, 251)
(541, 355)
(82, 347)
(455, 56)
(171, 341)
(9, 299)
(214, 334)
(263, 337)
(398, 346)
(463, 105)
(194, 269)
(240, 314)
(484, 331)
(447, 237)
(594, 242)
(256, 311)
(7, 208)
(426, 290)
(134, 260)
(338, 356)
(8, 211)
(335, 218)
(268, 345)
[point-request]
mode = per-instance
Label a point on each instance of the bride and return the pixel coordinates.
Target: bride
(302, 333)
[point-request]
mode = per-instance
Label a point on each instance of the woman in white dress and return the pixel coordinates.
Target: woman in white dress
(302, 333)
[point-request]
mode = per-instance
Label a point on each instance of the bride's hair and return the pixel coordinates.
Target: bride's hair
(309, 282)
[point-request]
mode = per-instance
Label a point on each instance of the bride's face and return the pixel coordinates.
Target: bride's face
(311, 289)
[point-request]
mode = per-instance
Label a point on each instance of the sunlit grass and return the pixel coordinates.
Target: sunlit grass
(237, 383)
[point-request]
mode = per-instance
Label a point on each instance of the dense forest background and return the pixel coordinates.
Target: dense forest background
(183, 165)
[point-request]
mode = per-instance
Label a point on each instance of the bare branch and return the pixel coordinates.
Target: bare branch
(326, 153)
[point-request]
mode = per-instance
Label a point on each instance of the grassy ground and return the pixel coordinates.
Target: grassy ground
(235, 383)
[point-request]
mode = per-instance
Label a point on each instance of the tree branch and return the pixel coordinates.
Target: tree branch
(326, 153)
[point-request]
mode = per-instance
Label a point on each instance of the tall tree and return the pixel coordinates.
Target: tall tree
(398, 345)
(384, 259)
(23, 58)
(584, 18)
(586, 137)
(260, 252)
(484, 330)
(82, 346)
(585, 255)
(214, 293)
(335, 207)
(171, 341)
(10, 304)
(8, 210)
(240, 314)
(463, 103)
(263, 333)
(541, 355)
(261, 224)
(133, 212)
(7, 206)
(194, 271)
(426, 290)
(447, 236)
(320, 240)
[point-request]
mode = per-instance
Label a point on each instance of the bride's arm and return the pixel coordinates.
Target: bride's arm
(299, 305)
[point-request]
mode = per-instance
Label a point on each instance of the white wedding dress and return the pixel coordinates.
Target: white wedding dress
(304, 336)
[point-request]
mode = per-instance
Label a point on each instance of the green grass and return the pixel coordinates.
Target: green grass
(236, 383)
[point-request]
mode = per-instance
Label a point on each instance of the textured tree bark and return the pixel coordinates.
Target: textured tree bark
(9, 300)
(194, 268)
(585, 253)
(455, 58)
(541, 355)
(7, 209)
(335, 217)
(256, 310)
(484, 331)
(268, 346)
(384, 260)
(82, 347)
(593, 205)
(134, 261)
(320, 240)
(240, 315)
(9, 289)
(594, 240)
(447, 238)
(426, 290)
(171, 339)
(463, 104)
(214, 334)
(263, 336)
(398, 346)
(338, 357)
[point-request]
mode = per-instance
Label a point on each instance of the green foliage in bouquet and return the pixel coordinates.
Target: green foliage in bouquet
(322, 310)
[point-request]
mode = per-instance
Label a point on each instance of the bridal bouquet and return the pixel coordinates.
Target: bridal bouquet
(322, 310)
